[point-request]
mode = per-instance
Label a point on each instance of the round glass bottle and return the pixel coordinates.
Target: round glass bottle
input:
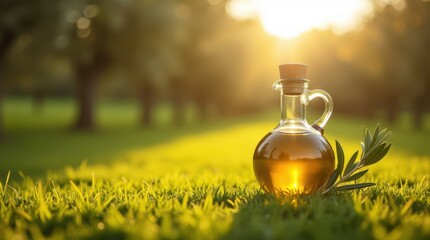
(295, 157)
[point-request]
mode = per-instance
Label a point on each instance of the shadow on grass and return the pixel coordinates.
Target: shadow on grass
(300, 217)
(38, 150)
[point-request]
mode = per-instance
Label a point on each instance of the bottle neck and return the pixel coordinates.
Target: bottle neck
(293, 113)
(292, 108)
(293, 105)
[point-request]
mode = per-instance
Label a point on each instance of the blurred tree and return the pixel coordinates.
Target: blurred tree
(224, 62)
(33, 67)
(383, 66)
(385, 42)
(16, 19)
(398, 39)
(147, 51)
(417, 34)
(76, 31)
(245, 58)
(88, 37)
(332, 68)
(195, 83)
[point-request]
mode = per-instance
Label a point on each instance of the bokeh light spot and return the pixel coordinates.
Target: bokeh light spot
(91, 11)
(83, 23)
(84, 33)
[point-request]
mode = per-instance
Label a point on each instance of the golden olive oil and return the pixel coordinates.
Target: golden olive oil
(293, 162)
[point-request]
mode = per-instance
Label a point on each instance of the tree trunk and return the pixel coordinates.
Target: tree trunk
(5, 42)
(391, 106)
(178, 109)
(202, 110)
(38, 102)
(88, 74)
(1, 106)
(418, 112)
(85, 93)
(147, 102)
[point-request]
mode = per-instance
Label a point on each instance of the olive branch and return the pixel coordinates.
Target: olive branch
(374, 148)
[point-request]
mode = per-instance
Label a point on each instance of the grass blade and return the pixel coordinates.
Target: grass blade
(43, 210)
(7, 179)
(4, 189)
(77, 190)
(354, 186)
(24, 214)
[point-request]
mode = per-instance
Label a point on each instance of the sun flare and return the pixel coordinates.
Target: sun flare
(288, 19)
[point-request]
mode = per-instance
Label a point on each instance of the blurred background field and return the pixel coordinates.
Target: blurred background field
(44, 142)
(216, 57)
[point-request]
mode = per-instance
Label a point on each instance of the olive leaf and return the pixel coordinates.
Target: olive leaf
(351, 165)
(373, 149)
(340, 158)
(354, 186)
(333, 177)
(356, 176)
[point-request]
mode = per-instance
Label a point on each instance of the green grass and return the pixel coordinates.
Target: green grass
(194, 182)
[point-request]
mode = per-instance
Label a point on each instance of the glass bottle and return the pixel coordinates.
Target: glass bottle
(295, 157)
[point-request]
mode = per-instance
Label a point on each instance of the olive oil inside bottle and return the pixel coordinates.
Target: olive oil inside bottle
(293, 162)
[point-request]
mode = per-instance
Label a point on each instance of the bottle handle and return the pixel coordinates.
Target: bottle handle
(322, 121)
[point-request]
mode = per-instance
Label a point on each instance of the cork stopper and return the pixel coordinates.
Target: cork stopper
(293, 79)
(293, 71)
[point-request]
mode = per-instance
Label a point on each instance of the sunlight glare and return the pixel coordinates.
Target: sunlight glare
(242, 9)
(295, 175)
(289, 19)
